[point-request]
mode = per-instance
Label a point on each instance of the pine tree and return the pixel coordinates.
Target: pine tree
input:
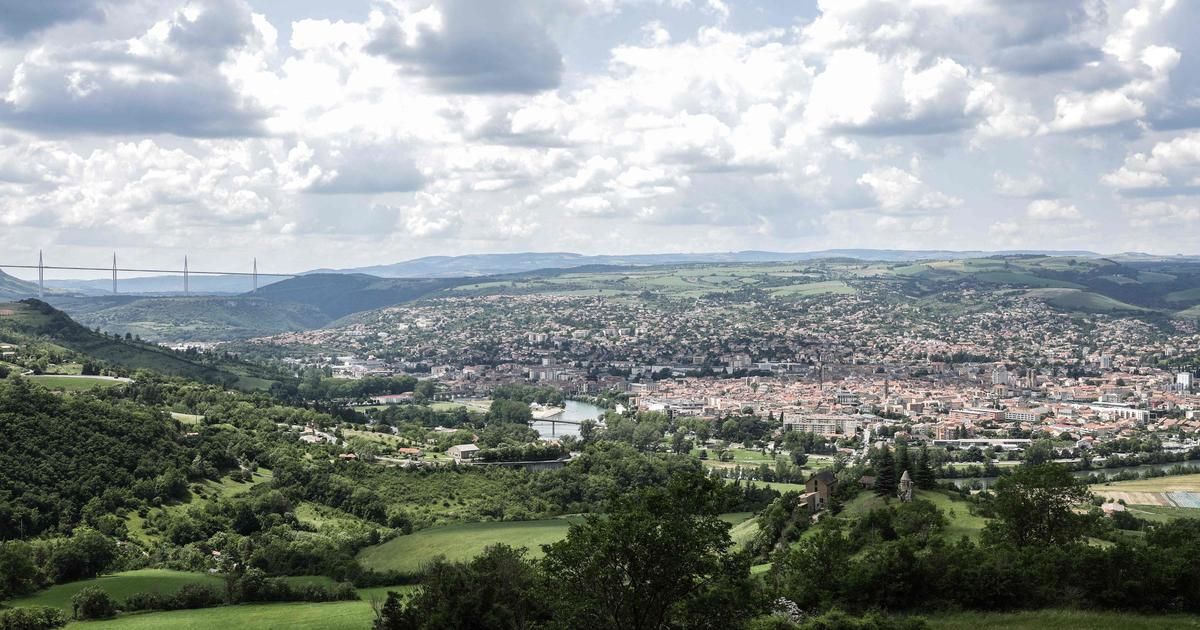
(903, 461)
(885, 473)
(924, 477)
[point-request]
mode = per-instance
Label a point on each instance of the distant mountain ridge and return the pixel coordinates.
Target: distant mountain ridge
(490, 264)
(164, 285)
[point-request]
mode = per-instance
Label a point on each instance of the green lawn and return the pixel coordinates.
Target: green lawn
(461, 542)
(1060, 620)
(120, 586)
(829, 287)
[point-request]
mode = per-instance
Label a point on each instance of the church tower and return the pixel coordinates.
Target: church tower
(905, 489)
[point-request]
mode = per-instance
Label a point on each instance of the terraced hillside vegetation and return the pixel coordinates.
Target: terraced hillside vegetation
(40, 328)
(208, 318)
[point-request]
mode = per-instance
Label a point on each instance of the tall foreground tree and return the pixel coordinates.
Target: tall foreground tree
(500, 589)
(659, 558)
(885, 472)
(1040, 505)
(923, 475)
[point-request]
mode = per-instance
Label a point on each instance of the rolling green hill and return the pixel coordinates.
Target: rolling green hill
(35, 321)
(338, 295)
(14, 288)
(205, 318)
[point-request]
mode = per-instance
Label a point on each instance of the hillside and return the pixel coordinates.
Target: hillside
(206, 318)
(337, 295)
(14, 288)
(33, 321)
(1124, 286)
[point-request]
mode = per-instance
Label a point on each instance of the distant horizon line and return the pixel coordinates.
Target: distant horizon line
(863, 252)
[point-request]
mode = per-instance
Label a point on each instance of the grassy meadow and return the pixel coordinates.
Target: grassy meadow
(461, 542)
(120, 586)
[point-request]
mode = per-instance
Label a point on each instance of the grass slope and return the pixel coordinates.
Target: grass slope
(461, 542)
(338, 295)
(120, 586)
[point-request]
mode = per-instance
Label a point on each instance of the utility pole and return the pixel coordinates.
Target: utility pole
(41, 277)
(114, 273)
(185, 275)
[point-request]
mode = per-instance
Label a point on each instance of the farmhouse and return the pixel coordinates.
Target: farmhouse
(818, 490)
(463, 451)
(411, 453)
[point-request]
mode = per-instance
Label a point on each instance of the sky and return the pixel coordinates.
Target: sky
(314, 134)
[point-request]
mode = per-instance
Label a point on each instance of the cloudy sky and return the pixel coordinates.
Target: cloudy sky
(312, 133)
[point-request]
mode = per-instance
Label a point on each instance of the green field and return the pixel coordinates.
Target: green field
(1060, 620)
(461, 542)
(1173, 483)
(72, 383)
(831, 287)
(120, 586)
(782, 487)
(355, 615)
(464, 541)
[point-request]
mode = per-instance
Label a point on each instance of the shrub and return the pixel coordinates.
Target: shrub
(195, 596)
(93, 603)
(32, 618)
(144, 601)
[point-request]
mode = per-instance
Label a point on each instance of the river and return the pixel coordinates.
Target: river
(574, 412)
